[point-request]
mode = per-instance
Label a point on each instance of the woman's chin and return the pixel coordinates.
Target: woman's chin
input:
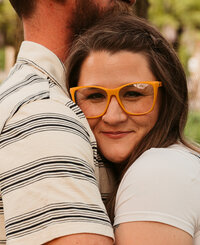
(116, 158)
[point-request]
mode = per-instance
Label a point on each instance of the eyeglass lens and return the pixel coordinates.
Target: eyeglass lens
(136, 98)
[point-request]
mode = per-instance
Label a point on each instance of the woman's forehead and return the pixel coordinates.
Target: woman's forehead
(113, 70)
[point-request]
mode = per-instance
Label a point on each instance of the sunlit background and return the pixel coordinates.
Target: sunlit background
(178, 20)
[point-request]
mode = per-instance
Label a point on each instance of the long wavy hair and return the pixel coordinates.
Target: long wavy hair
(130, 33)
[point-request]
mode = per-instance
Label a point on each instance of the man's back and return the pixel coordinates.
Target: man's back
(48, 181)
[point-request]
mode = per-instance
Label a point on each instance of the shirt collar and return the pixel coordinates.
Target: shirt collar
(44, 60)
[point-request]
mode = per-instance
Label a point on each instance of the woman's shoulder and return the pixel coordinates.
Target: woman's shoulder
(176, 162)
(177, 150)
(175, 156)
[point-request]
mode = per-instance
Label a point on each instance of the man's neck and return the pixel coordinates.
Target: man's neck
(54, 41)
(49, 28)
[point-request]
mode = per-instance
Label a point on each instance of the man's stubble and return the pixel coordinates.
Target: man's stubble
(86, 14)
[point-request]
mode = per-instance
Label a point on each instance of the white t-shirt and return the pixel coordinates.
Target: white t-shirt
(163, 185)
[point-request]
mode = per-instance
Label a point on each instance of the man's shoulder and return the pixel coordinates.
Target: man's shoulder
(20, 74)
(22, 86)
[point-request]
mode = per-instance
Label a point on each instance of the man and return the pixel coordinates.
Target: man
(48, 171)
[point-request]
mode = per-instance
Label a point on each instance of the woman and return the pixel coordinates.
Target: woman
(132, 89)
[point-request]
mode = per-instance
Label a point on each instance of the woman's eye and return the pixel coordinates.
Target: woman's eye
(131, 94)
(94, 96)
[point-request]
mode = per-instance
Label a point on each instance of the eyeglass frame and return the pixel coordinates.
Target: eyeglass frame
(115, 92)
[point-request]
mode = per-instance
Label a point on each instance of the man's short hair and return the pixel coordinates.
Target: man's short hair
(25, 8)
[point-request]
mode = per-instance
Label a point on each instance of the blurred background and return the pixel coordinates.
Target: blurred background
(179, 22)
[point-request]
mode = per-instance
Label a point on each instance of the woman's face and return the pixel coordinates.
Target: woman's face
(116, 132)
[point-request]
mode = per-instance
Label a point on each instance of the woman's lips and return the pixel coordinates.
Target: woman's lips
(116, 134)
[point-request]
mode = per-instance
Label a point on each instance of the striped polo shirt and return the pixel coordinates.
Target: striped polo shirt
(49, 173)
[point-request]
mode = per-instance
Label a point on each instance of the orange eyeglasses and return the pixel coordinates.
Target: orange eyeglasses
(137, 98)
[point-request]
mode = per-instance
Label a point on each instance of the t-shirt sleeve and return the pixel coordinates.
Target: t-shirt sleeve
(48, 182)
(162, 185)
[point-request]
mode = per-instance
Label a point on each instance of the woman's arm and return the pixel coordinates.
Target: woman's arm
(150, 233)
(157, 201)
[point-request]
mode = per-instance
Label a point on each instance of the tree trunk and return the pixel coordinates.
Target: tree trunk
(141, 8)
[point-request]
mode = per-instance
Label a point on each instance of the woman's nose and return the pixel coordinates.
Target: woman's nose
(114, 114)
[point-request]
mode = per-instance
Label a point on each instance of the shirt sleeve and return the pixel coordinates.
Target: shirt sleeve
(163, 185)
(48, 182)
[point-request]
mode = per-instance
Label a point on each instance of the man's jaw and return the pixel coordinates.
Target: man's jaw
(86, 14)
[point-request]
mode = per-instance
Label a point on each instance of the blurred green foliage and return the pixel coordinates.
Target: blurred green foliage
(8, 23)
(2, 58)
(192, 130)
(175, 13)
(183, 18)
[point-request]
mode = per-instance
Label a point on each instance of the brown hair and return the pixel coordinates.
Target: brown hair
(24, 8)
(130, 33)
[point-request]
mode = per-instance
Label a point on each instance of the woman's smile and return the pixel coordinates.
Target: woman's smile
(116, 134)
